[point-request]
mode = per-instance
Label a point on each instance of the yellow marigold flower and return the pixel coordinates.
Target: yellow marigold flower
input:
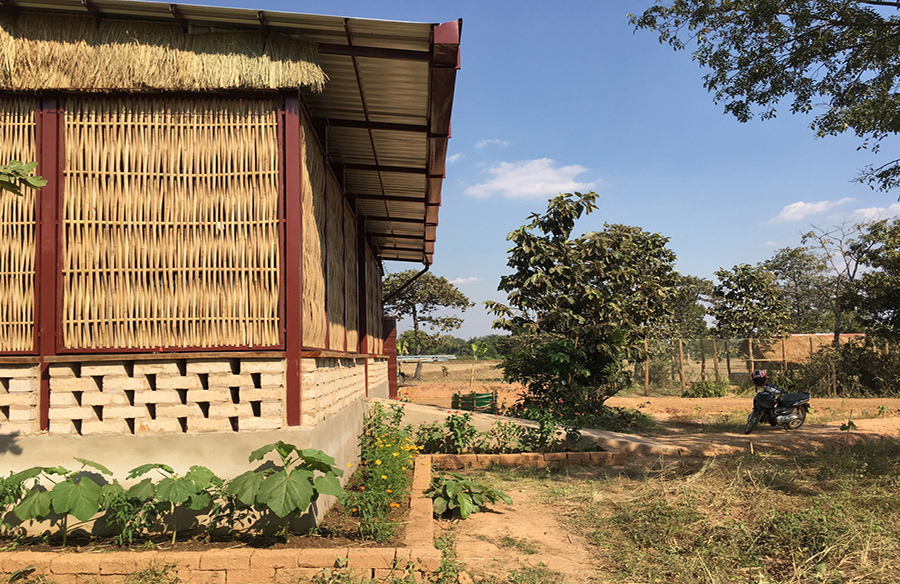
(384, 476)
(377, 462)
(396, 454)
(388, 491)
(395, 505)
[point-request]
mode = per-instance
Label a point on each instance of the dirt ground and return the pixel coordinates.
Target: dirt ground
(487, 542)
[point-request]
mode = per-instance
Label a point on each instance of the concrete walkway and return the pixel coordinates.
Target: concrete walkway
(416, 414)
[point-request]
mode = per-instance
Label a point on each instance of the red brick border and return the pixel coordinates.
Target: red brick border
(246, 565)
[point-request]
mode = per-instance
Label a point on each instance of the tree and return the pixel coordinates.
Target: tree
(842, 248)
(15, 175)
(805, 284)
(748, 303)
(688, 308)
(421, 300)
(580, 306)
(878, 290)
(839, 55)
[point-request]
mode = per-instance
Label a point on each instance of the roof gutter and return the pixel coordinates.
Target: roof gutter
(409, 283)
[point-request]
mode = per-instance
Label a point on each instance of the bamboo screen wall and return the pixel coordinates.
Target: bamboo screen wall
(351, 277)
(17, 224)
(171, 223)
(336, 285)
(374, 323)
(315, 323)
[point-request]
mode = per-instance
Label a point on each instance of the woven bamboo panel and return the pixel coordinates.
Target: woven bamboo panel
(373, 304)
(335, 231)
(315, 323)
(351, 277)
(170, 223)
(17, 225)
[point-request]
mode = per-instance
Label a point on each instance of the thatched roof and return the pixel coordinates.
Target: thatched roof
(43, 51)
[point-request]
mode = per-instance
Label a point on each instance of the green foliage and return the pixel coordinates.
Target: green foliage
(748, 303)
(383, 481)
(287, 491)
(15, 175)
(858, 369)
(806, 286)
(706, 388)
(72, 494)
(839, 57)
(455, 495)
(149, 500)
(878, 292)
(580, 306)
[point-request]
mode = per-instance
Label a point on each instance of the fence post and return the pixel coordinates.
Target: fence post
(783, 357)
(728, 360)
(715, 360)
(810, 348)
(702, 362)
(646, 369)
(681, 363)
(750, 361)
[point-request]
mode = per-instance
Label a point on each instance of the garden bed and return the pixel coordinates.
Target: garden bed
(218, 563)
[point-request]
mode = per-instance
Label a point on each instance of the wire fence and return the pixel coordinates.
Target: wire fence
(679, 363)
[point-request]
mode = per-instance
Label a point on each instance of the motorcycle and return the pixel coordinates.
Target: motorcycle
(773, 406)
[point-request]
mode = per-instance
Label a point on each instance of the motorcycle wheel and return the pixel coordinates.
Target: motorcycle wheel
(794, 424)
(752, 421)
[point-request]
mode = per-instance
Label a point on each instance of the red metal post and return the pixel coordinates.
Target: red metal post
(390, 350)
(50, 120)
(291, 170)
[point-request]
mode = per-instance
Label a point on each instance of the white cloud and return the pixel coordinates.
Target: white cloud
(800, 210)
(772, 244)
(459, 281)
(876, 213)
(481, 144)
(454, 157)
(529, 179)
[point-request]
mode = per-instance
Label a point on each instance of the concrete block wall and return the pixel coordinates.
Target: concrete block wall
(19, 388)
(166, 396)
(378, 378)
(329, 385)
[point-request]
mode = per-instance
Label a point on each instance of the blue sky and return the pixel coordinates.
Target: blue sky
(563, 96)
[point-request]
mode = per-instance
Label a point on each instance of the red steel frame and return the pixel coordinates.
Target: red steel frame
(292, 181)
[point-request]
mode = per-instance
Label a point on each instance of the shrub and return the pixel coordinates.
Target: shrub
(856, 370)
(706, 388)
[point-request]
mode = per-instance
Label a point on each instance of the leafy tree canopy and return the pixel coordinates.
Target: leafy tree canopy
(579, 306)
(689, 308)
(806, 285)
(839, 55)
(747, 302)
(878, 290)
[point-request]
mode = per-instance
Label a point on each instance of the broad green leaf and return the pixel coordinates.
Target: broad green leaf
(328, 485)
(81, 499)
(260, 453)
(439, 506)
(199, 501)
(201, 476)
(175, 490)
(109, 492)
(35, 505)
(24, 475)
(95, 465)
(285, 493)
(143, 491)
(466, 506)
(145, 468)
(246, 486)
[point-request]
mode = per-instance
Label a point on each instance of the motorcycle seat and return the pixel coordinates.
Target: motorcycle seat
(793, 399)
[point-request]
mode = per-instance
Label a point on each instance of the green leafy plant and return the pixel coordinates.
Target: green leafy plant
(706, 388)
(453, 494)
(15, 175)
(71, 494)
(382, 483)
(173, 490)
(304, 475)
(460, 433)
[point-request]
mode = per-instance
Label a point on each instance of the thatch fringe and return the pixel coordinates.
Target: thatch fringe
(52, 52)
(351, 276)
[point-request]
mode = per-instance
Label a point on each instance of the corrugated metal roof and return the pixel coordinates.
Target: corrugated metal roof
(384, 115)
